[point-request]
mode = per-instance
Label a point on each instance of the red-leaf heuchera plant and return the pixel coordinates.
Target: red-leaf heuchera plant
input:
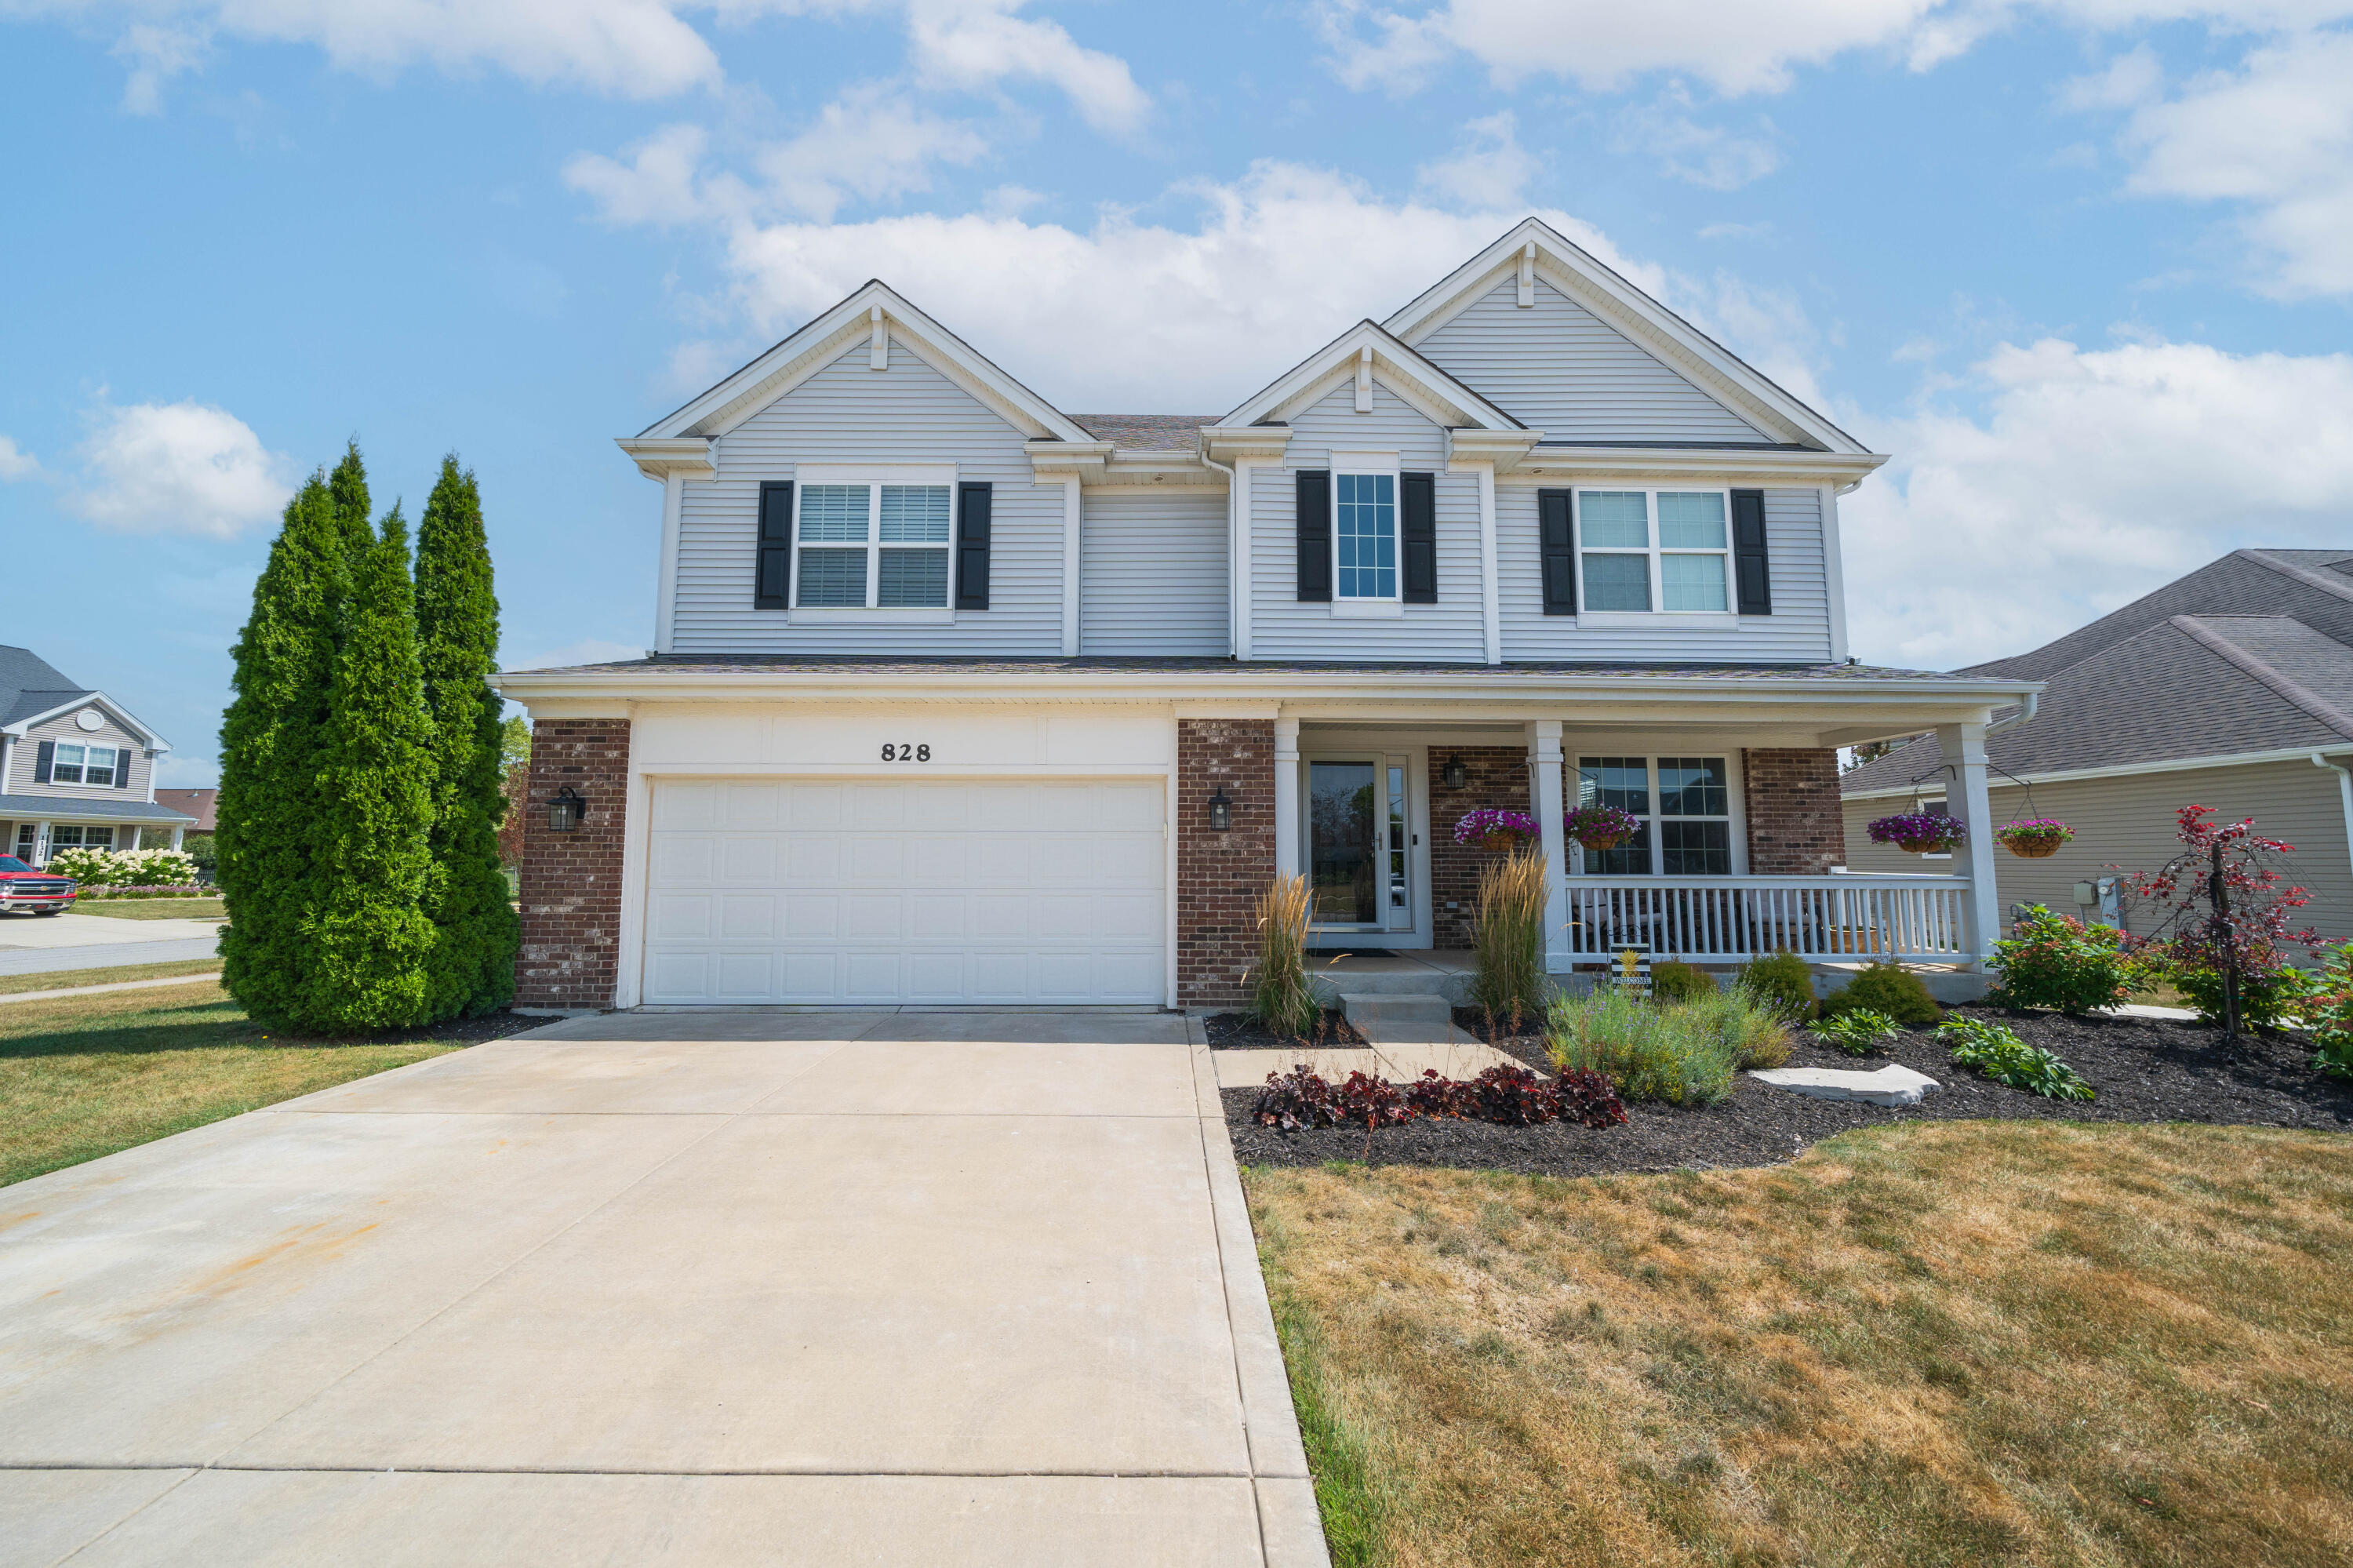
(1921, 832)
(2226, 910)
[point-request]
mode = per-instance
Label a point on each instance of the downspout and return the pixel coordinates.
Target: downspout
(2026, 711)
(2344, 794)
(1234, 589)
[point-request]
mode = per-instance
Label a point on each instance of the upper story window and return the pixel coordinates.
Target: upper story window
(1684, 804)
(1665, 550)
(1364, 536)
(872, 547)
(84, 765)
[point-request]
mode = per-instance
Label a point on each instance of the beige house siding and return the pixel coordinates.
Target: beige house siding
(2127, 823)
(63, 728)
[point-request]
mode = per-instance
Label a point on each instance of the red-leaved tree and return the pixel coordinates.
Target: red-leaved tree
(2226, 904)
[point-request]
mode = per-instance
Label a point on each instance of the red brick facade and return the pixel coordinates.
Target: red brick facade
(1498, 781)
(572, 881)
(1796, 824)
(1219, 876)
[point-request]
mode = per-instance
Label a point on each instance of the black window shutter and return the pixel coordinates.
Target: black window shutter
(1557, 544)
(1751, 565)
(973, 505)
(44, 760)
(1418, 535)
(773, 581)
(1314, 525)
(121, 767)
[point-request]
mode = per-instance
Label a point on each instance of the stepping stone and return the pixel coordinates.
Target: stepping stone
(1894, 1084)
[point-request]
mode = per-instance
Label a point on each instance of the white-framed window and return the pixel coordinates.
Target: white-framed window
(74, 835)
(84, 765)
(1365, 543)
(872, 543)
(1684, 804)
(1655, 551)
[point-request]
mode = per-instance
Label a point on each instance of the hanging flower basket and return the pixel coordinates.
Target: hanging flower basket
(1920, 832)
(1492, 830)
(1600, 828)
(2038, 838)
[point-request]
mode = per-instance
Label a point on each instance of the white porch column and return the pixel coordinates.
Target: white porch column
(1543, 757)
(1964, 748)
(177, 832)
(1287, 861)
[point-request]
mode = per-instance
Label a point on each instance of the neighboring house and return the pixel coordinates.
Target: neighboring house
(959, 698)
(2231, 687)
(199, 804)
(75, 769)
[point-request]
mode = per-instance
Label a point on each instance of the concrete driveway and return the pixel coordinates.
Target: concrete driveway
(666, 1288)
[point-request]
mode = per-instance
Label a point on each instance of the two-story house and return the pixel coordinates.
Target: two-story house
(75, 769)
(962, 699)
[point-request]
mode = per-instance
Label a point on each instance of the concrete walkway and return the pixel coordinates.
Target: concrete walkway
(37, 944)
(715, 1289)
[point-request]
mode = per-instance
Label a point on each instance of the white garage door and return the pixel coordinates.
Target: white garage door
(884, 891)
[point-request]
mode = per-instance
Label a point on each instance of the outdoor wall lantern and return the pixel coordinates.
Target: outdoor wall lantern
(1457, 776)
(565, 811)
(1221, 811)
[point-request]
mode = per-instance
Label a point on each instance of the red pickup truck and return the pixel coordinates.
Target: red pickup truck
(35, 892)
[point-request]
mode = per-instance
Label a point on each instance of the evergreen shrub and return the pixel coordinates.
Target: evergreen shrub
(1889, 989)
(1782, 982)
(1674, 980)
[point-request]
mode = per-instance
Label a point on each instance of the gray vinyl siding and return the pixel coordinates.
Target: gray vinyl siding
(1281, 627)
(848, 413)
(63, 728)
(1799, 629)
(1152, 573)
(2127, 823)
(1559, 368)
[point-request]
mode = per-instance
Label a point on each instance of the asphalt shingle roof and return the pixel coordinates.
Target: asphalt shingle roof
(1147, 432)
(30, 685)
(86, 807)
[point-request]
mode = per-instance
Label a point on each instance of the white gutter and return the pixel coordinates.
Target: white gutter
(2344, 794)
(2033, 700)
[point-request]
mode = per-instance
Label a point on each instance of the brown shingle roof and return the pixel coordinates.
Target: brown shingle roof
(1147, 432)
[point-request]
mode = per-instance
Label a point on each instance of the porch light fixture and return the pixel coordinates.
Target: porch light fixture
(565, 810)
(1221, 811)
(1457, 776)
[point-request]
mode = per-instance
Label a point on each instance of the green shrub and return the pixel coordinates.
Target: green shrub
(2328, 1010)
(1996, 1052)
(1679, 1054)
(1890, 989)
(1673, 981)
(1782, 982)
(199, 847)
(1858, 1031)
(2272, 991)
(2057, 961)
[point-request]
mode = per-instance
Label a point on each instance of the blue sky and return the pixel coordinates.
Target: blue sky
(2082, 267)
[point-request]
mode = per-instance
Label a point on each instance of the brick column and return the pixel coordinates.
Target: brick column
(1796, 825)
(572, 882)
(1498, 781)
(1219, 877)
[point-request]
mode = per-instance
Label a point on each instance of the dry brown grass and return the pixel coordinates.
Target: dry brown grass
(1939, 1343)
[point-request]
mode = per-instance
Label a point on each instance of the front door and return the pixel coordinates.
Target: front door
(1359, 860)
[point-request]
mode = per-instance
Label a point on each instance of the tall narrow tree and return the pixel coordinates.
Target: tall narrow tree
(371, 941)
(272, 739)
(475, 930)
(348, 485)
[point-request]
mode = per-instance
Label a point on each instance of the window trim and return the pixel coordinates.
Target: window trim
(874, 477)
(1578, 749)
(1376, 465)
(81, 779)
(1658, 615)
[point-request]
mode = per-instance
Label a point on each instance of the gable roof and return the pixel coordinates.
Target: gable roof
(1396, 365)
(829, 335)
(1147, 432)
(30, 685)
(2186, 687)
(1591, 282)
(2315, 586)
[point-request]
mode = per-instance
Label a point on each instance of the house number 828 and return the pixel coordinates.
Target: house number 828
(907, 753)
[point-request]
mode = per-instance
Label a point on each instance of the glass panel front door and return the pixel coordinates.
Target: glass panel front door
(1346, 825)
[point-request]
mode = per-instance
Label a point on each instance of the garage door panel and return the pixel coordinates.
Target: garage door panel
(945, 890)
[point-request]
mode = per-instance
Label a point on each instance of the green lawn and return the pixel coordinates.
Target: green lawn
(1950, 1343)
(152, 908)
(82, 1076)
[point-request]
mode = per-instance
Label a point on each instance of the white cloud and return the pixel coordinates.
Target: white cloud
(1488, 170)
(177, 467)
(1707, 156)
(1735, 46)
(979, 43)
(2094, 476)
(1203, 314)
(156, 53)
(15, 462)
(869, 143)
(656, 186)
(2275, 135)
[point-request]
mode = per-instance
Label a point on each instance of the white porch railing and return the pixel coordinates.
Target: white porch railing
(1918, 919)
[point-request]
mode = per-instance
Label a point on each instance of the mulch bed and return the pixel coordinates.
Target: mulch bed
(1241, 1031)
(2145, 1070)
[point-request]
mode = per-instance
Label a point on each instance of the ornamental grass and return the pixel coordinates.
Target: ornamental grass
(1507, 937)
(1281, 997)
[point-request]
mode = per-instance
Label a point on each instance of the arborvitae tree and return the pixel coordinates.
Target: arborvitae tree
(371, 940)
(348, 485)
(272, 741)
(475, 930)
